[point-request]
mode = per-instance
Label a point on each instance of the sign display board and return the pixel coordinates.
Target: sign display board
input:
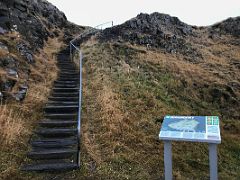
(191, 128)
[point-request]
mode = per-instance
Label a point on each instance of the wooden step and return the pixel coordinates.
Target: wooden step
(61, 67)
(57, 132)
(73, 99)
(76, 79)
(50, 167)
(54, 143)
(66, 85)
(66, 65)
(66, 82)
(58, 116)
(64, 94)
(69, 73)
(65, 90)
(67, 69)
(57, 123)
(61, 108)
(63, 77)
(58, 153)
(62, 103)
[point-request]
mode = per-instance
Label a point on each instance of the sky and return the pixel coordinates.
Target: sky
(193, 12)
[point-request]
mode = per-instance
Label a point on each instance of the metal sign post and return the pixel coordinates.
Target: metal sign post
(168, 159)
(194, 129)
(213, 161)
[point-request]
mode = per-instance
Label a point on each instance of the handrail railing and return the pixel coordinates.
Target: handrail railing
(72, 45)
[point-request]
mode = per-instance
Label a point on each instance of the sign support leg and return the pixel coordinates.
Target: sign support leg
(213, 161)
(168, 160)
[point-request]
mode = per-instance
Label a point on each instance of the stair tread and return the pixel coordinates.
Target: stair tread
(56, 132)
(60, 114)
(60, 85)
(64, 166)
(66, 81)
(51, 97)
(52, 151)
(61, 102)
(54, 143)
(51, 130)
(62, 106)
(60, 120)
(65, 93)
(63, 99)
(55, 140)
(56, 121)
(66, 88)
(69, 73)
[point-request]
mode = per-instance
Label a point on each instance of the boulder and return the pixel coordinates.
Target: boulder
(26, 52)
(8, 62)
(8, 85)
(13, 73)
(2, 31)
(21, 94)
(3, 47)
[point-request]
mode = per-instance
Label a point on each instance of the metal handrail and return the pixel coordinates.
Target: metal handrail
(92, 30)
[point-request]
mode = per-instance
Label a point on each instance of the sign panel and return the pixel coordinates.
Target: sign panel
(191, 128)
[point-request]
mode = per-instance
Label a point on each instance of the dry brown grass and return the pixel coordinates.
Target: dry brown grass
(122, 116)
(11, 125)
(112, 117)
(17, 119)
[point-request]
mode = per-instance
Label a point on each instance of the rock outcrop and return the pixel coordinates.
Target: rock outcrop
(162, 31)
(25, 26)
(231, 26)
(155, 31)
(33, 19)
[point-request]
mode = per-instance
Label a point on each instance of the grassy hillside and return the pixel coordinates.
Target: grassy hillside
(133, 75)
(127, 92)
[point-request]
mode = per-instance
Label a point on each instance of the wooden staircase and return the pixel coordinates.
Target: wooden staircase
(55, 146)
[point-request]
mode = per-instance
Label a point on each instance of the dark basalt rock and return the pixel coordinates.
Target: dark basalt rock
(13, 73)
(8, 85)
(8, 62)
(3, 47)
(230, 26)
(155, 31)
(2, 31)
(26, 52)
(21, 94)
(29, 18)
(33, 22)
